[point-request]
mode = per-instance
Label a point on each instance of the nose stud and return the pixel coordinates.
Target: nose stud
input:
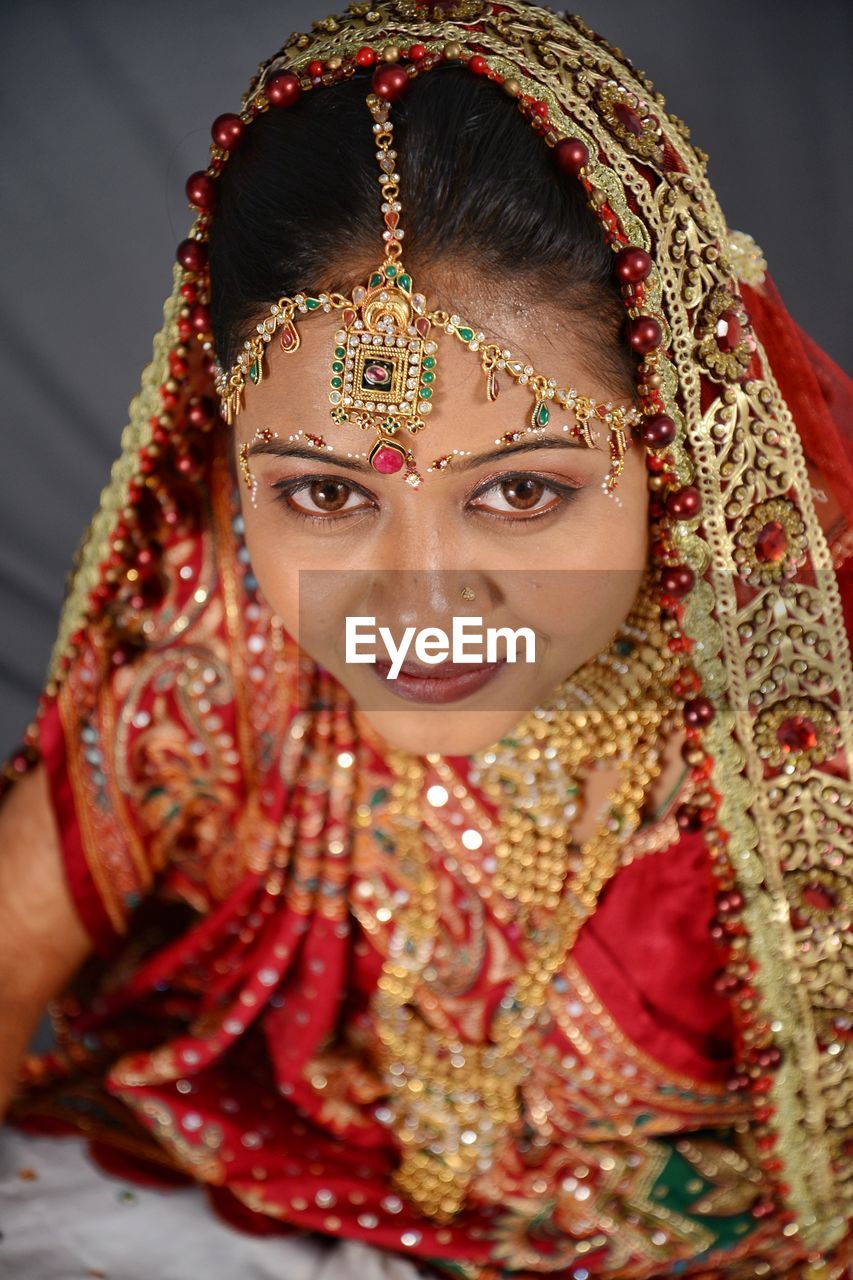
(466, 593)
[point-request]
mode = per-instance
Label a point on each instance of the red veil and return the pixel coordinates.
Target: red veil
(227, 841)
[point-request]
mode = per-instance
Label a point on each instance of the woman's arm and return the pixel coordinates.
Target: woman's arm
(42, 940)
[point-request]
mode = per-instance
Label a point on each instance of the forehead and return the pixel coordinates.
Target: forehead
(295, 392)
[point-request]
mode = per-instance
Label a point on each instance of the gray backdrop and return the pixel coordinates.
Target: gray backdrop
(106, 106)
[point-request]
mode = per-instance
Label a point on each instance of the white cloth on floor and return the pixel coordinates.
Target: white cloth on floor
(63, 1218)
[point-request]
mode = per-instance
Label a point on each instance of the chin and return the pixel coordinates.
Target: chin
(437, 730)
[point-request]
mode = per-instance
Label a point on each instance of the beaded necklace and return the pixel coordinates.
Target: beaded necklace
(452, 1102)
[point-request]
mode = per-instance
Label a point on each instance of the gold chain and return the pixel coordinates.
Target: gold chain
(453, 1101)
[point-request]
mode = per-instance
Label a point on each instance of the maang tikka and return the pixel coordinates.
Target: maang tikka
(385, 359)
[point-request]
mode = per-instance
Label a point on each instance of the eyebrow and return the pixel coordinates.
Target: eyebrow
(278, 450)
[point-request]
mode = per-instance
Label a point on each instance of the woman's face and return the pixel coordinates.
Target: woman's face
(519, 536)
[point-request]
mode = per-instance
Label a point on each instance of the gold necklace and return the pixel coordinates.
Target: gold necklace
(453, 1101)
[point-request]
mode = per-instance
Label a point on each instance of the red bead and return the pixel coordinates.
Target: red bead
(698, 712)
(227, 130)
(540, 109)
(283, 89)
(192, 255)
(201, 190)
(201, 412)
(389, 83)
(570, 156)
(200, 319)
(632, 265)
(417, 52)
(677, 580)
(478, 65)
(644, 334)
(366, 56)
(684, 504)
(687, 818)
(316, 69)
(658, 431)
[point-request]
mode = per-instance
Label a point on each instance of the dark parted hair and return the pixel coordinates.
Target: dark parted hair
(298, 208)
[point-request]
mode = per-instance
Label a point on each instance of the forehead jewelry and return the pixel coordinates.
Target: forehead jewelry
(384, 363)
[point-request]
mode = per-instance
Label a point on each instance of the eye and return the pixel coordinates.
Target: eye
(522, 495)
(321, 497)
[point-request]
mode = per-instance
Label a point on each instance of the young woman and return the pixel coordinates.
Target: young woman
(523, 964)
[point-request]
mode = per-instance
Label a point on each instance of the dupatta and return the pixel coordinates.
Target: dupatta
(225, 817)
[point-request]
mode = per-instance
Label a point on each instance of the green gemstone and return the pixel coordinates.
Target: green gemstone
(466, 334)
(375, 280)
(337, 382)
(337, 367)
(425, 393)
(429, 362)
(312, 304)
(255, 371)
(405, 282)
(340, 351)
(390, 272)
(427, 376)
(542, 415)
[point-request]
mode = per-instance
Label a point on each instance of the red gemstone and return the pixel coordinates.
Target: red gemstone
(570, 156)
(729, 331)
(658, 431)
(817, 896)
(386, 460)
(772, 542)
(192, 255)
(644, 334)
(283, 89)
(201, 190)
(422, 325)
(227, 130)
(797, 734)
(389, 83)
(287, 341)
(632, 265)
(628, 118)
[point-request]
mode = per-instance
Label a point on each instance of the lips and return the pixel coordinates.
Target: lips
(446, 682)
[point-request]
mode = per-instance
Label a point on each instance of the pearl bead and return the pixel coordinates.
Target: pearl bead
(192, 255)
(452, 51)
(677, 580)
(389, 83)
(570, 156)
(644, 334)
(201, 190)
(632, 265)
(658, 431)
(283, 89)
(685, 503)
(227, 130)
(698, 712)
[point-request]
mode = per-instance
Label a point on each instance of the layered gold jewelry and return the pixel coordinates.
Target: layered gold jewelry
(453, 1101)
(385, 357)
